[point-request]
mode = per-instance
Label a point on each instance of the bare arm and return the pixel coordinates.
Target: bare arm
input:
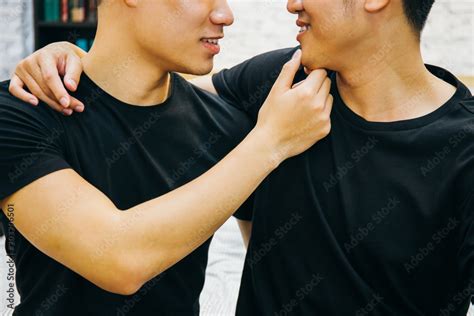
(245, 230)
(120, 251)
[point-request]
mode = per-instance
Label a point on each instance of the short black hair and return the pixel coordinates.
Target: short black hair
(417, 12)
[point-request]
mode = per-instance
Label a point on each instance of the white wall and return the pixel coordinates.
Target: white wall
(262, 25)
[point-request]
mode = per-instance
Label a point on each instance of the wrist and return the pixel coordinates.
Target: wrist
(267, 147)
(77, 50)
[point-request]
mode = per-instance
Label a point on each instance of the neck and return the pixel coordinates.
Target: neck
(392, 85)
(119, 67)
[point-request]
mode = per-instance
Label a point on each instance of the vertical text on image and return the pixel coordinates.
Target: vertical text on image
(10, 240)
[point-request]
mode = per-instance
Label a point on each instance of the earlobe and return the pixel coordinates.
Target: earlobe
(131, 3)
(373, 6)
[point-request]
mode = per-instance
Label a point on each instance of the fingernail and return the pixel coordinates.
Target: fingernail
(67, 112)
(34, 101)
(296, 54)
(64, 102)
(72, 83)
(79, 108)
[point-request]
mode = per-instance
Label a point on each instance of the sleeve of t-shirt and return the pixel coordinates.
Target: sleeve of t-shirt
(248, 84)
(31, 143)
(245, 212)
(466, 252)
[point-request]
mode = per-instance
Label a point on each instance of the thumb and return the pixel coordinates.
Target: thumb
(288, 72)
(73, 72)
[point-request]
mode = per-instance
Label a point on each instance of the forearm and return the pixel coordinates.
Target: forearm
(164, 230)
(246, 231)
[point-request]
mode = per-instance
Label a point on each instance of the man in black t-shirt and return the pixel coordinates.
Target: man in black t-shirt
(96, 222)
(377, 218)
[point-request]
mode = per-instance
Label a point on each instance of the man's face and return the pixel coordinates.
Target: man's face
(330, 30)
(181, 35)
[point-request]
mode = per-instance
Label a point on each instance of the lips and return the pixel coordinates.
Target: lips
(304, 26)
(212, 44)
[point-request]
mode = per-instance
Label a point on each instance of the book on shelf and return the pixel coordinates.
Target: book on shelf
(51, 10)
(76, 11)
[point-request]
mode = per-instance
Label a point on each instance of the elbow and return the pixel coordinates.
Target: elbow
(124, 278)
(123, 287)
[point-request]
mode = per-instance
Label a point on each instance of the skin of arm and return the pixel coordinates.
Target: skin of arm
(245, 230)
(120, 250)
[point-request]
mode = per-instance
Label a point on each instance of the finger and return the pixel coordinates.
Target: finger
(328, 105)
(38, 92)
(77, 105)
(50, 74)
(315, 80)
(297, 84)
(17, 89)
(323, 92)
(67, 112)
(73, 72)
(288, 72)
(37, 76)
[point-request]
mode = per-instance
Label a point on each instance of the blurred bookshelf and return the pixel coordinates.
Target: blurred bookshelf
(74, 21)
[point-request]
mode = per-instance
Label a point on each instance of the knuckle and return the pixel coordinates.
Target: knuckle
(306, 93)
(48, 75)
(318, 106)
(21, 64)
(11, 88)
(330, 99)
(326, 129)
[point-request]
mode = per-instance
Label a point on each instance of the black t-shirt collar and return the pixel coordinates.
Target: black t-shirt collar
(346, 113)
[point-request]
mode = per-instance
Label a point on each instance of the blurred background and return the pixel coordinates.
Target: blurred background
(260, 25)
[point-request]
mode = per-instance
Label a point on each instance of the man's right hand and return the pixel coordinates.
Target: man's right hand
(41, 73)
(295, 117)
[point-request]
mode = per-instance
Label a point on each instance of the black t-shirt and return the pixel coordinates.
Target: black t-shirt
(377, 218)
(132, 154)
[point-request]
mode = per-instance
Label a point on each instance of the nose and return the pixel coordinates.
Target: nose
(294, 6)
(222, 14)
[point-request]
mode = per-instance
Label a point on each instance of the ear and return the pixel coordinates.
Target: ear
(374, 6)
(131, 3)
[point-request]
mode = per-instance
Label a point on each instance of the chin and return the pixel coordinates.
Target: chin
(314, 60)
(198, 67)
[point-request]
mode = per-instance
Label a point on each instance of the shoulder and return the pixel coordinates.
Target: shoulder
(15, 110)
(213, 107)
